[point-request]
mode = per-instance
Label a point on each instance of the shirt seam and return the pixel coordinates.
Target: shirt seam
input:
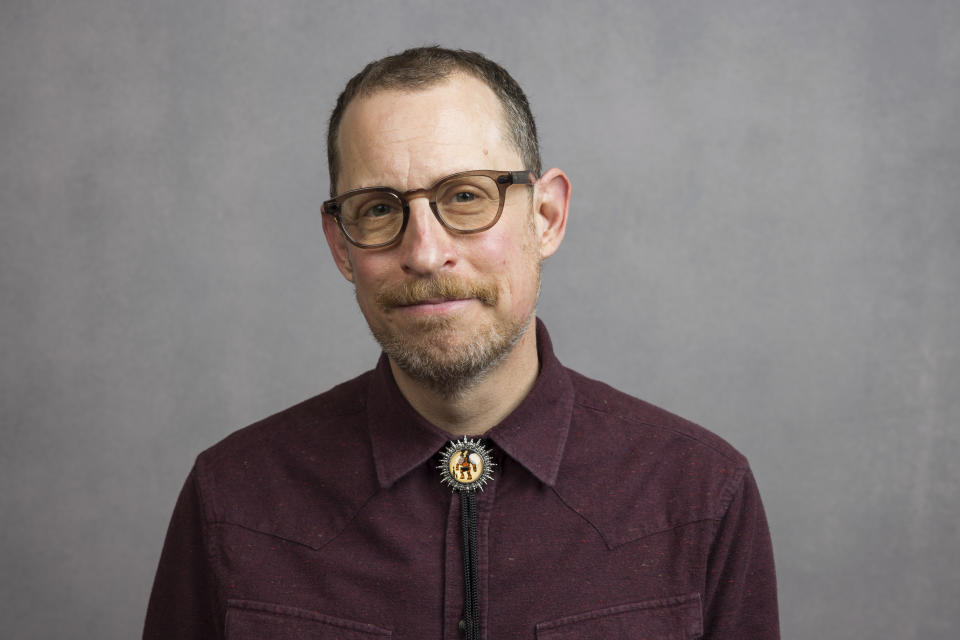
(611, 545)
(276, 536)
(582, 516)
(211, 548)
(730, 491)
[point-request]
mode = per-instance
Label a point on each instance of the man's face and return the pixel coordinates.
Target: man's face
(445, 307)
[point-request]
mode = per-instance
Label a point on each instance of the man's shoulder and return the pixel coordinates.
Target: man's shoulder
(627, 416)
(304, 459)
(660, 471)
(333, 413)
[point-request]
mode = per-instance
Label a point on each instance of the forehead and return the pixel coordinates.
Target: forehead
(409, 139)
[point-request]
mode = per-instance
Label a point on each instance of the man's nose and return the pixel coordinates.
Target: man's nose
(426, 246)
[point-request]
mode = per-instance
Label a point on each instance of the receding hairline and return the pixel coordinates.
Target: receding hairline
(422, 67)
(455, 74)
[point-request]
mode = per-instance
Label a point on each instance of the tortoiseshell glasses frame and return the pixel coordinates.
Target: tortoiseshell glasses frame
(465, 202)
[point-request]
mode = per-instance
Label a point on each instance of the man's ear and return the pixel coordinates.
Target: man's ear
(338, 246)
(551, 203)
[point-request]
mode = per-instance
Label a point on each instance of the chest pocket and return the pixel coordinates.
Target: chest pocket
(248, 620)
(676, 618)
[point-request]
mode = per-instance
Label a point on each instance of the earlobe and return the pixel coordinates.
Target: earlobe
(338, 247)
(552, 203)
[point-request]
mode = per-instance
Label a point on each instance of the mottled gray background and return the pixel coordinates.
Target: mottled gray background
(764, 238)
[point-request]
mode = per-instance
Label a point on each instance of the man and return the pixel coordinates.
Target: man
(352, 515)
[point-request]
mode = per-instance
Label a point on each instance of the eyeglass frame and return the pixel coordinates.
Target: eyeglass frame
(503, 180)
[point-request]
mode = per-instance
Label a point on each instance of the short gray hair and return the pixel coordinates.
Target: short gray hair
(423, 67)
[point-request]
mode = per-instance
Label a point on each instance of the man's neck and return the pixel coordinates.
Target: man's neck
(483, 405)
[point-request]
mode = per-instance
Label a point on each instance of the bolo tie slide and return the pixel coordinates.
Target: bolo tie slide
(466, 465)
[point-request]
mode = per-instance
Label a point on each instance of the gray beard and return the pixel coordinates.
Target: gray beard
(450, 369)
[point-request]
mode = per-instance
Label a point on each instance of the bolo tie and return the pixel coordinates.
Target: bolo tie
(466, 465)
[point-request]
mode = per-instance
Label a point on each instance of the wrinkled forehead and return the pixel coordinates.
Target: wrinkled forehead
(407, 139)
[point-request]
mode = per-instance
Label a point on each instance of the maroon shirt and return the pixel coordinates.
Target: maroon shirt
(606, 518)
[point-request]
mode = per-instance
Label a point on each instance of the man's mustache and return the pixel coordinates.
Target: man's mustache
(410, 292)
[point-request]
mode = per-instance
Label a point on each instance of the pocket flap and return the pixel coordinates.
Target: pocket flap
(250, 620)
(676, 618)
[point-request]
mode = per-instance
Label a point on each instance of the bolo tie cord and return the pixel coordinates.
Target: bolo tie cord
(466, 466)
(471, 570)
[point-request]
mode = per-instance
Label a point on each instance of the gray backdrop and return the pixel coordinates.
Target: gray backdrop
(764, 238)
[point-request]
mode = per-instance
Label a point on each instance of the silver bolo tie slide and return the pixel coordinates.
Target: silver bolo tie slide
(466, 465)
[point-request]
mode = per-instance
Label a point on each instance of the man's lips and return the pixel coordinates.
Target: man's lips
(431, 301)
(431, 306)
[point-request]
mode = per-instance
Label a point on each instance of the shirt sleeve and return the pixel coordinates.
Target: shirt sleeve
(741, 593)
(183, 601)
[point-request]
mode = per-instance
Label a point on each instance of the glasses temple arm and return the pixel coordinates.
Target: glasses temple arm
(518, 177)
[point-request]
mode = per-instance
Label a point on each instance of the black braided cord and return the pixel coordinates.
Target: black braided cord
(471, 570)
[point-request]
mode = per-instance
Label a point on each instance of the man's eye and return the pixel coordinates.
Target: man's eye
(464, 196)
(378, 210)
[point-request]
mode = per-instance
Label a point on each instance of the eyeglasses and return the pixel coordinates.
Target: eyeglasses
(466, 202)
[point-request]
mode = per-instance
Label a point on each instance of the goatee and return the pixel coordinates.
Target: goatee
(434, 350)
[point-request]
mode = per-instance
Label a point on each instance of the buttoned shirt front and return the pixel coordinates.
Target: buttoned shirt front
(606, 517)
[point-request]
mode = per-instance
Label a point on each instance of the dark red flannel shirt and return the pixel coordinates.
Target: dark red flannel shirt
(606, 518)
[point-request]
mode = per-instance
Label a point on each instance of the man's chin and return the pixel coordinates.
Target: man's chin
(439, 356)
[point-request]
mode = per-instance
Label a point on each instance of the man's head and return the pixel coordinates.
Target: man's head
(446, 306)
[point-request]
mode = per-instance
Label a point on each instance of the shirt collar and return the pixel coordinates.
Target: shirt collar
(534, 434)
